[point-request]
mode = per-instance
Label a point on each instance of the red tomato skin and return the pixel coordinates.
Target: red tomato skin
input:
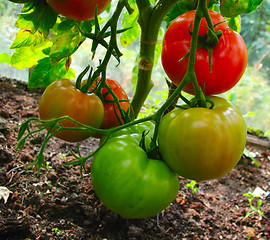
(79, 9)
(229, 58)
(111, 111)
(62, 98)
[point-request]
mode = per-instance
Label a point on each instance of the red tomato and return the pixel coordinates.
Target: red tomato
(62, 98)
(79, 9)
(229, 56)
(111, 111)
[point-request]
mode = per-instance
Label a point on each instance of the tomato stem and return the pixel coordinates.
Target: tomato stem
(150, 19)
(100, 34)
(190, 76)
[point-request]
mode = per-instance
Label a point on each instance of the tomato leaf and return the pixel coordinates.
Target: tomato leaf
(46, 72)
(5, 58)
(184, 6)
(130, 21)
(87, 26)
(36, 20)
(26, 38)
(235, 23)
(232, 8)
(65, 43)
(179, 8)
(27, 57)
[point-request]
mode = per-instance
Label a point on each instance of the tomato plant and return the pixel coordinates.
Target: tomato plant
(79, 9)
(201, 143)
(112, 114)
(198, 142)
(62, 98)
(229, 57)
(130, 183)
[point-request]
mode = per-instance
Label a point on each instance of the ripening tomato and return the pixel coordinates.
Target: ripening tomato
(112, 113)
(79, 9)
(201, 143)
(62, 98)
(229, 58)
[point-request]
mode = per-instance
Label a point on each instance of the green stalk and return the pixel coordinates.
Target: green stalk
(150, 20)
(190, 76)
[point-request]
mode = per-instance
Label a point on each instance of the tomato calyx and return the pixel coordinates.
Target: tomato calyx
(151, 151)
(208, 41)
(204, 102)
(211, 38)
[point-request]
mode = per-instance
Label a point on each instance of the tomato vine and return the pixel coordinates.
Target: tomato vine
(150, 19)
(134, 139)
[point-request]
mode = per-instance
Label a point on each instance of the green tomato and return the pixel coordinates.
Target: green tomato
(201, 143)
(128, 182)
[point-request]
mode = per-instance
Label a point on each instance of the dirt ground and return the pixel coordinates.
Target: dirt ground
(61, 204)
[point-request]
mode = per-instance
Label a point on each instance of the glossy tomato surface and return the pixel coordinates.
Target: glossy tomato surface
(229, 56)
(201, 143)
(112, 114)
(62, 98)
(127, 181)
(79, 9)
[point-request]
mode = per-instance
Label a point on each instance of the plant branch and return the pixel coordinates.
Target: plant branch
(150, 19)
(190, 76)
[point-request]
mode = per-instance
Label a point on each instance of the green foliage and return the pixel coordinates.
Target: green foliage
(46, 72)
(179, 8)
(35, 22)
(235, 23)
(255, 208)
(232, 8)
(183, 6)
(32, 47)
(191, 185)
(26, 57)
(56, 230)
(130, 21)
(256, 131)
(49, 54)
(5, 58)
(66, 41)
(250, 155)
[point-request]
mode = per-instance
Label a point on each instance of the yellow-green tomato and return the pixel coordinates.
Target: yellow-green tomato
(62, 98)
(201, 143)
(128, 182)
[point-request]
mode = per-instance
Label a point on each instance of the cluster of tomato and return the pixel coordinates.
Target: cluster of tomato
(62, 98)
(196, 143)
(208, 143)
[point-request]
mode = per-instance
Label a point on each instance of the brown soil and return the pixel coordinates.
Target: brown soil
(61, 204)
